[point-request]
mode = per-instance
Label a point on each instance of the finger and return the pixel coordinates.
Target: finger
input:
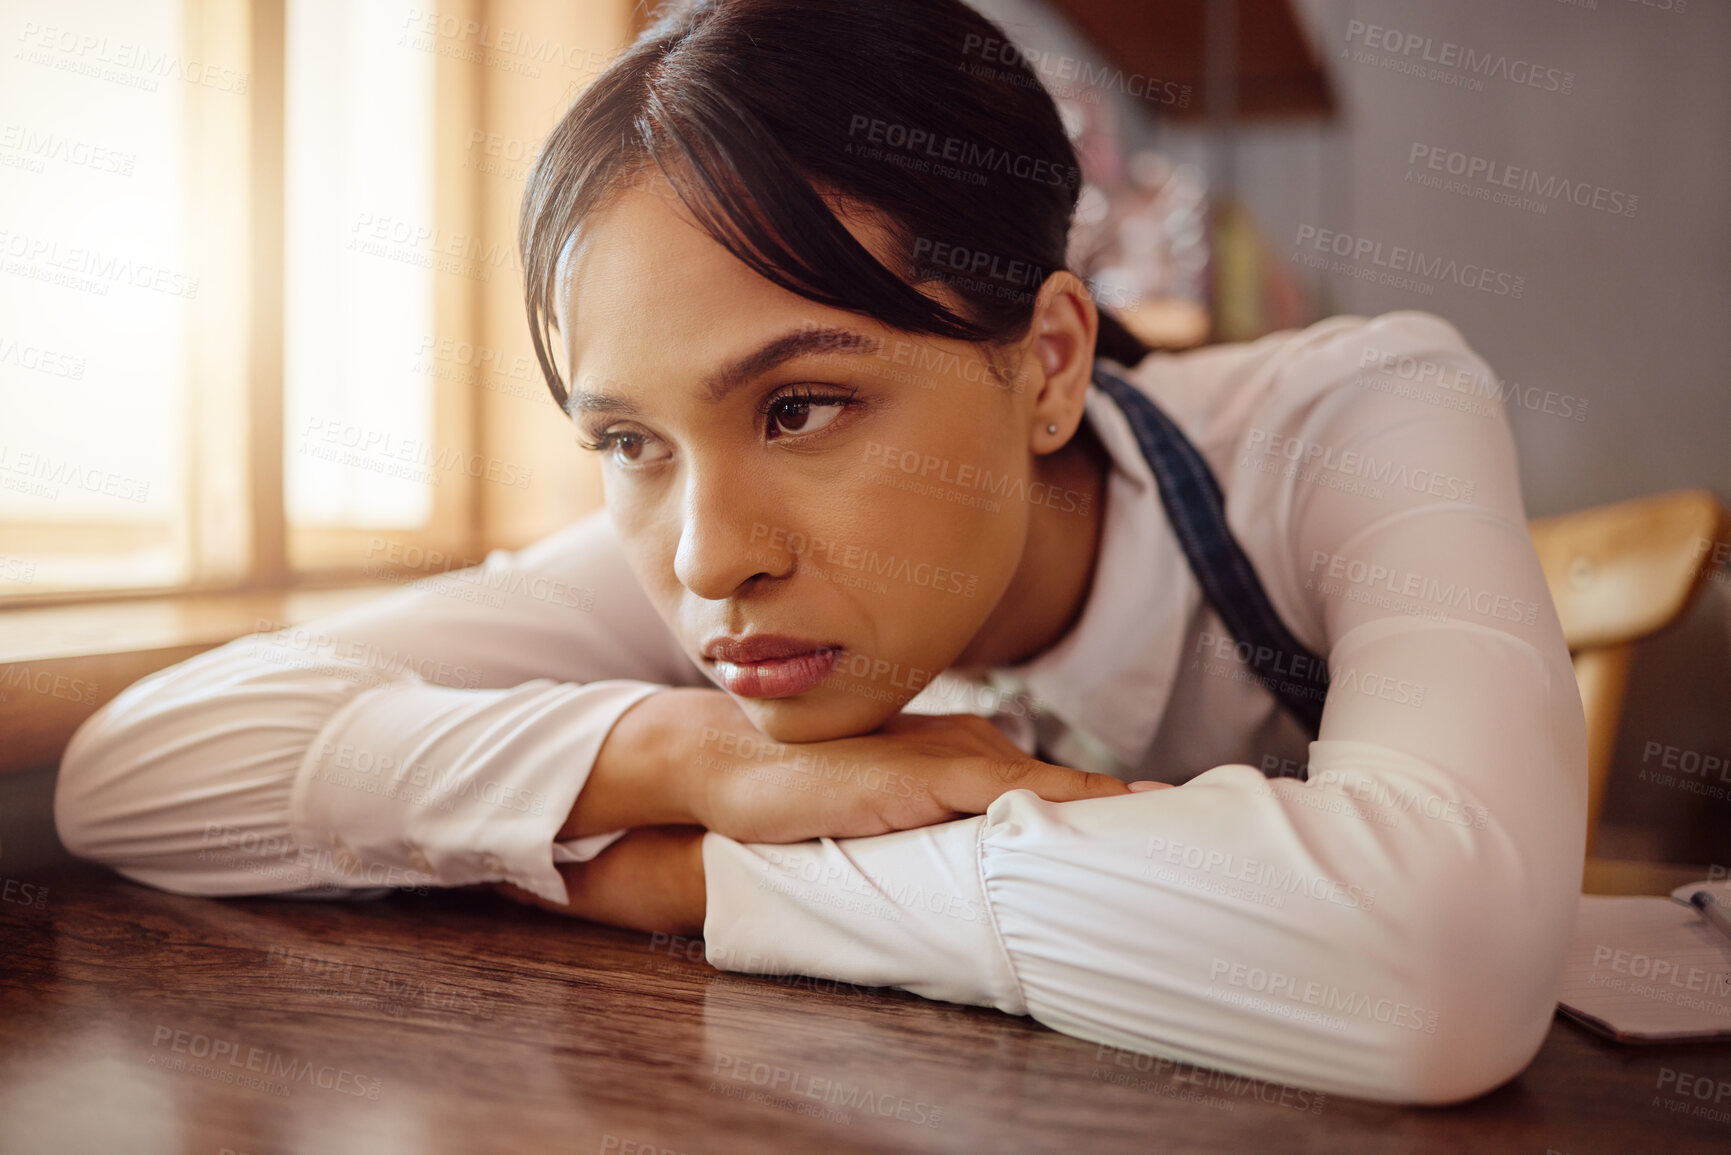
(976, 728)
(1149, 784)
(994, 777)
(1000, 741)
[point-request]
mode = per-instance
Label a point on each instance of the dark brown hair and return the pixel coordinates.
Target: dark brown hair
(898, 107)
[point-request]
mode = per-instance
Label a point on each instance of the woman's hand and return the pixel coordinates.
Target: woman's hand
(649, 880)
(690, 756)
(915, 770)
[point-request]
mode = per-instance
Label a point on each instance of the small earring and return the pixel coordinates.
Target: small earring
(1051, 429)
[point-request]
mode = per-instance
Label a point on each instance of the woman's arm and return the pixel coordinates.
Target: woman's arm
(1393, 928)
(439, 735)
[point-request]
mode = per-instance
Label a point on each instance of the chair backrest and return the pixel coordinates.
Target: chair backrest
(1618, 573)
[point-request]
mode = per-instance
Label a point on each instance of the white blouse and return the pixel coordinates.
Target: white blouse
(1392, 928)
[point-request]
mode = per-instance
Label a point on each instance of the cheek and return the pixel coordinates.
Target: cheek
(931, 569)
(948, 506)
(649, 550)
(921, 610)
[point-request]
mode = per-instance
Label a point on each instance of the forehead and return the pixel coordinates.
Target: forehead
(644, 286)
(644, 291)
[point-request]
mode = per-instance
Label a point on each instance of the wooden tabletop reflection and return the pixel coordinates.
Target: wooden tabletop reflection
(137, 1021)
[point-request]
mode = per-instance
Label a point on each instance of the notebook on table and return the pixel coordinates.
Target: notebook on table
(1644, 969)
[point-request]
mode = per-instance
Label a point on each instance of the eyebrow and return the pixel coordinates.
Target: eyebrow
(743, 369)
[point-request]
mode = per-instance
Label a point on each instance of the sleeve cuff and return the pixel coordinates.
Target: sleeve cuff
(906, 910)
(587, 847)
(414, 784)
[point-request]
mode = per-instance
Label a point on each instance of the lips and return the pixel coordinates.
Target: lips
(770, 665)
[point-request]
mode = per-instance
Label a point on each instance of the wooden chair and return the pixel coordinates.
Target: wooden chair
(1617, 574)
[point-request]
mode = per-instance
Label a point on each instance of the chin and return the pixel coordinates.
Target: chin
(817, 716)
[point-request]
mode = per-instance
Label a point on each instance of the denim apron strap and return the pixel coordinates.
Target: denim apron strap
(1197, 510)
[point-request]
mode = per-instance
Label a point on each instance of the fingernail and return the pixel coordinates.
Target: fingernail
(1140, 787)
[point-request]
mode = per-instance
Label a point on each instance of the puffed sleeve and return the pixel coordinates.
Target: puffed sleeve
(437, 736)
(1392, 928)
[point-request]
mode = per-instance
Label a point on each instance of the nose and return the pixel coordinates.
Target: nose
(723, 540)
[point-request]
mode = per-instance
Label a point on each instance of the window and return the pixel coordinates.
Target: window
(260, 302)
(95, 285)
(359, 213)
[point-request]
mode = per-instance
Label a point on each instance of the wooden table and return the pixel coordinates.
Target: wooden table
(135, 1021)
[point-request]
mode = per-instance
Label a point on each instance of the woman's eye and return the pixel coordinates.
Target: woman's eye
(629, 450)
(795, 414)
(803, 414)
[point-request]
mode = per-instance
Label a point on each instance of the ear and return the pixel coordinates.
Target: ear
(1061, 365)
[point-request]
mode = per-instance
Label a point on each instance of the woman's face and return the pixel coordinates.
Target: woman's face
(784, 471)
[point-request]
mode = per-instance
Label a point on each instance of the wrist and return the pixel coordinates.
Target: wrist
(696, 909)
(700, 769)
(642, 773)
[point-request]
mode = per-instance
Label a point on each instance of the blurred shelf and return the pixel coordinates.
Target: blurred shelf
(1275, 73)
(1166, 322)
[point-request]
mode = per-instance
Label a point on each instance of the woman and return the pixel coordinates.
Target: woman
(850, 472)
